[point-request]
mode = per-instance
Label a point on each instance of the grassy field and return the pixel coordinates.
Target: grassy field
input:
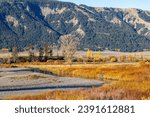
(127, 81)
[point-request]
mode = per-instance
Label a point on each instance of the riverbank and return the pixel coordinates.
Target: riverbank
(128, 82)
(18, 81)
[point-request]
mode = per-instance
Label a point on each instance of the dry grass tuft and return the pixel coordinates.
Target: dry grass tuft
(7, 65)
(29, 77)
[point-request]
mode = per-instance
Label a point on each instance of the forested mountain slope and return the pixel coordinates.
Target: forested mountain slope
(36, 22)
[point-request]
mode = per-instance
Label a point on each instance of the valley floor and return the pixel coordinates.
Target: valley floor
(128, 81)
(18, 81)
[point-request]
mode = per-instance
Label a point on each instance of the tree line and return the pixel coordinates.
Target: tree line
(68, 44)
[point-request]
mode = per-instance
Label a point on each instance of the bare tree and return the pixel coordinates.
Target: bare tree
(31, 53)
(14, 54)
(46, 49)
(41, 54)
(69, 44)
(50, 51)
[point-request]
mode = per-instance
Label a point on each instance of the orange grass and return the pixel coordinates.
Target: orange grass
(131, 82)
(6, 65)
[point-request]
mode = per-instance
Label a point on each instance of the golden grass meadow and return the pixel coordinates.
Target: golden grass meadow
(123, 81)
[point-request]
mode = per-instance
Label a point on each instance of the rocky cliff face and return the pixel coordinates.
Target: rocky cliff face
(37, 22)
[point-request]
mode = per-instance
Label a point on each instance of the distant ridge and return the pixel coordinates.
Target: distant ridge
(43, 21)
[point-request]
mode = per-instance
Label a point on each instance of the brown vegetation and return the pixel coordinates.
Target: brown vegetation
(128, 81)
(29, 77)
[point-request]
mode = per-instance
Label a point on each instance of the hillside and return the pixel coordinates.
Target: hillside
(37, 22)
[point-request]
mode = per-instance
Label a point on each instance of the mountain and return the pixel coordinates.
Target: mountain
(36, 22)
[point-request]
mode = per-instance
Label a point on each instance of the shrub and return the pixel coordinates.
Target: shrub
(142, 63)
(79, 60)
(113, 59)
(122, 58)
(97, 57)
